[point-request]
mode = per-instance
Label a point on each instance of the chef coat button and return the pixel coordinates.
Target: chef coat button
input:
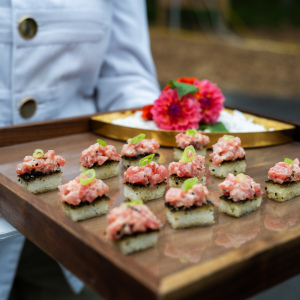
(27, 27)
(27, 108)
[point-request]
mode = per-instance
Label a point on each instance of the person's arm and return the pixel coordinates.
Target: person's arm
(128, 77)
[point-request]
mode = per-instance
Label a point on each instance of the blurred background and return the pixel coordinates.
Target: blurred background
(249, 48)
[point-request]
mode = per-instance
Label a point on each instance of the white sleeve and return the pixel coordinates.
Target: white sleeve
(127, 78)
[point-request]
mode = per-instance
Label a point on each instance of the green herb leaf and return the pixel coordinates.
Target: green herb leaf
(131, 203)
(183, 88)
(146, 160)
(218, 127)
(138, 138)
(184, 157)
(189, 183)
(288, 161)
(101, 142)
(191, 132)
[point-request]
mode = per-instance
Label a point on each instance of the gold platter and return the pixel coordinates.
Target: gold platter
(281, 133)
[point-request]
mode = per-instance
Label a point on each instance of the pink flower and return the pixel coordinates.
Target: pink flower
(173, 114)
(211, 101)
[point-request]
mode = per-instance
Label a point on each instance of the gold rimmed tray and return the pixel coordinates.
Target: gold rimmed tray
(281, 132)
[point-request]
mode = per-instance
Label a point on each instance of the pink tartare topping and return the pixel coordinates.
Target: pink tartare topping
(227, 149)
(46, 164)
(194, 168)
(141, 147)
(198, 140)
(238, 191)
(98, 154)
(194, 196)
(74, 192)
(126, 220)
(283, 172)
(151, 173)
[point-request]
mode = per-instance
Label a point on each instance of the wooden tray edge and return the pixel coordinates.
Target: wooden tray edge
(94, 252)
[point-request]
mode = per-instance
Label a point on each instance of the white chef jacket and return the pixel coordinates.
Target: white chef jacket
(86, 56)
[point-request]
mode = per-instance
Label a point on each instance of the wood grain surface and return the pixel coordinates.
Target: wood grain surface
(24, 133)
(237, 256)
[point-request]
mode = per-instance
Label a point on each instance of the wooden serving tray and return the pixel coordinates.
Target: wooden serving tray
(234, 257)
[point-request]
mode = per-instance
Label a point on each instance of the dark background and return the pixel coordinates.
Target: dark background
(250, 49)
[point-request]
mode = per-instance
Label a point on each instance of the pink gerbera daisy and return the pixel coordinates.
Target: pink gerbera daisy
(173, 114)
(211, 101)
